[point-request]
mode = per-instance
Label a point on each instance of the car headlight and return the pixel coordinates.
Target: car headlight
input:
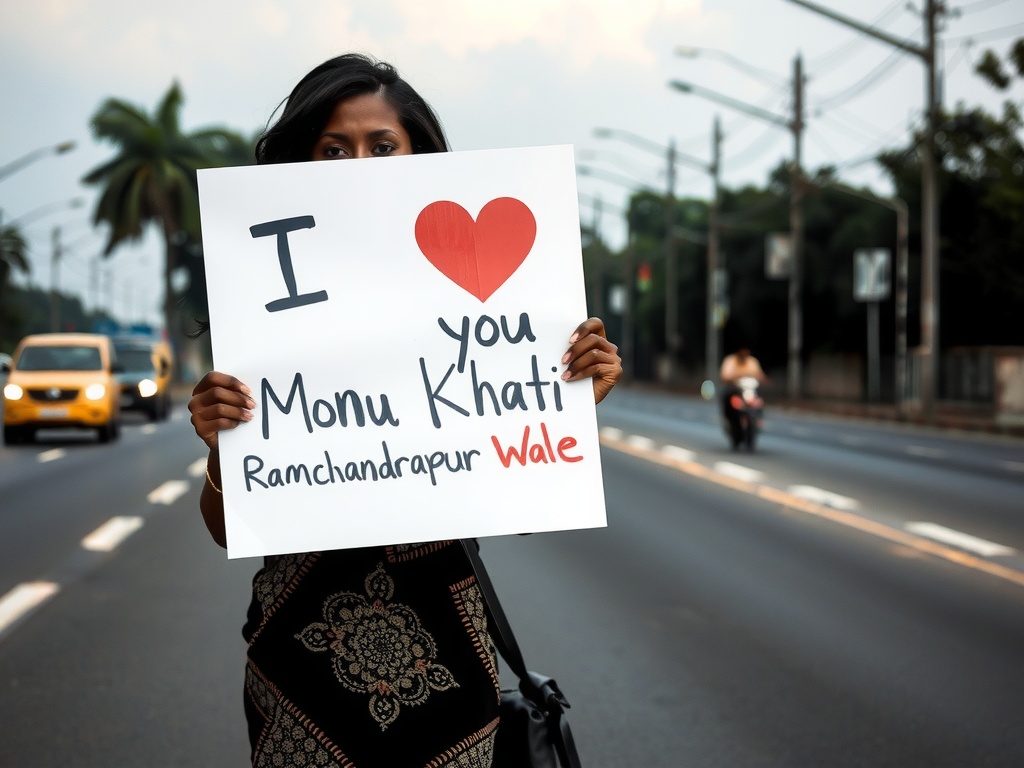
(13, 392)
(95, 392)
(147, 387)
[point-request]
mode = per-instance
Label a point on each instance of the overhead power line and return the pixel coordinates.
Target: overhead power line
(993, 34)
(824, 63)
(883, 71)
(980, 5)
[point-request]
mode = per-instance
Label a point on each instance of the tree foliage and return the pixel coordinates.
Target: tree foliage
(151, 180)
(981, 238)
(13, 254)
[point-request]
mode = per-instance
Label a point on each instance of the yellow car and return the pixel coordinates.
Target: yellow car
(62, 380)
(145, 375)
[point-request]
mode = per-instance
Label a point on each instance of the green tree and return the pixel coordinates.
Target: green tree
(981, 213)
(13, 258)
(151, 179)
(13, 254)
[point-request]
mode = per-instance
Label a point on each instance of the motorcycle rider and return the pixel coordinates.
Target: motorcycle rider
(734, 367)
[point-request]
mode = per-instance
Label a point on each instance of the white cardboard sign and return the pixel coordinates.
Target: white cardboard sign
(401, 323)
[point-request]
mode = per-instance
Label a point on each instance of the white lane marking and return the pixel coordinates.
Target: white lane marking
(611, 433)
(957, 539)
(675, 452)
(928, 453)
(52, 455)
(148, 429)
(1013, 466)
(197, 468)
(168, 493)
(735, 470)
(23, 599)
(641, 442)
(111, 533)
(821, 496)
(852, 440)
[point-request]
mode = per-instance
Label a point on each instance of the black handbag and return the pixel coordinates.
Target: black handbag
(533, 731)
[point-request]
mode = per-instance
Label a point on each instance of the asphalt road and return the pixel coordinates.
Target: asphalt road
(848, 595)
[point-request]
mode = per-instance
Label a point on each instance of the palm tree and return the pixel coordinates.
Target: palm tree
(13, 254)
(13, 257)
(152, 180)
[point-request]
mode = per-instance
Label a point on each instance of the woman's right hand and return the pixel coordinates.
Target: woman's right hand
(219, 401)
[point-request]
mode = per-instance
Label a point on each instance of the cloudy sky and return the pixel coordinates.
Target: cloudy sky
(533, 72)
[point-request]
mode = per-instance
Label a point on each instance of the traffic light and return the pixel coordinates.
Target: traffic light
(643, 277)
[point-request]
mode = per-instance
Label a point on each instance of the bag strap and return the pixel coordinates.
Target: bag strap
(542, 691)
(501, 633)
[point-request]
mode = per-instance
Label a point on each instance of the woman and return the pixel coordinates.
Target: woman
(376, 656)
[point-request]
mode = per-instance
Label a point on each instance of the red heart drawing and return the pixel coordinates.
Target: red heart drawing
(478, 256)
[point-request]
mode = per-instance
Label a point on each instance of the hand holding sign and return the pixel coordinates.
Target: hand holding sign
(398, 409)
(367, 434)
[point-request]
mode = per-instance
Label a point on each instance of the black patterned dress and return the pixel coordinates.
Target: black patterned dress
(370, 657)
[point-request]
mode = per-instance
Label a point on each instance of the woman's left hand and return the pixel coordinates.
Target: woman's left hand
(591, 355)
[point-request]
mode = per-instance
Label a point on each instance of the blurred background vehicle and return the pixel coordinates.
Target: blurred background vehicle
(62, 380)
(745, 413)
(145, 377)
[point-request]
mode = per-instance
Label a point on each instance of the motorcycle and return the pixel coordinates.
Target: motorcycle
(746, 407)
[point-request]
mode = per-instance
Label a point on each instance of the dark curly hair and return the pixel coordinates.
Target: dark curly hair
(309, 106)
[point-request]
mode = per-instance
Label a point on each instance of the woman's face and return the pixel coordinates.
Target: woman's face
(362, 126)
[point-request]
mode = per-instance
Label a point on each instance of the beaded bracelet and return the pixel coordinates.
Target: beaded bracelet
(210, 480)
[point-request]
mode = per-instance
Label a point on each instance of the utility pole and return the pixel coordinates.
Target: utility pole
(628, 281)
(671, 294)
(673, 343)
(55, 282)
(930, 228)
(902, 271)
(929, 188)
(712, 352)
(796, 239)
(902, 279)
(595, 299)
(795, 125)
(94, 283)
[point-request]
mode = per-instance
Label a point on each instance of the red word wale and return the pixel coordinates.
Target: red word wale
(536, 452)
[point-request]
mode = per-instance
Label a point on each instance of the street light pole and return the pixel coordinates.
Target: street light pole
(55, 282)
(929, 188)
(35, 154)
(626, 348)
(629, 281)
(796, 126)
(671, 292)
(673, 343)
(930, 228)
(44, 210)
(796, 240)
(712, 353)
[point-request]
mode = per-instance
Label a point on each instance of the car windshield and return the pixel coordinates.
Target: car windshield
(60, 358)
(136, 360)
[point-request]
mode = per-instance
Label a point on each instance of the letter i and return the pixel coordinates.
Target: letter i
(558, 392)
(281, 228)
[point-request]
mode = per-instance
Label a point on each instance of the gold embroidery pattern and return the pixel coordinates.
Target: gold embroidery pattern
(476, 751)
(288, 738)
(289, 744)
(278, 577)
(402, 553)
(469, 601)
(379, 648)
